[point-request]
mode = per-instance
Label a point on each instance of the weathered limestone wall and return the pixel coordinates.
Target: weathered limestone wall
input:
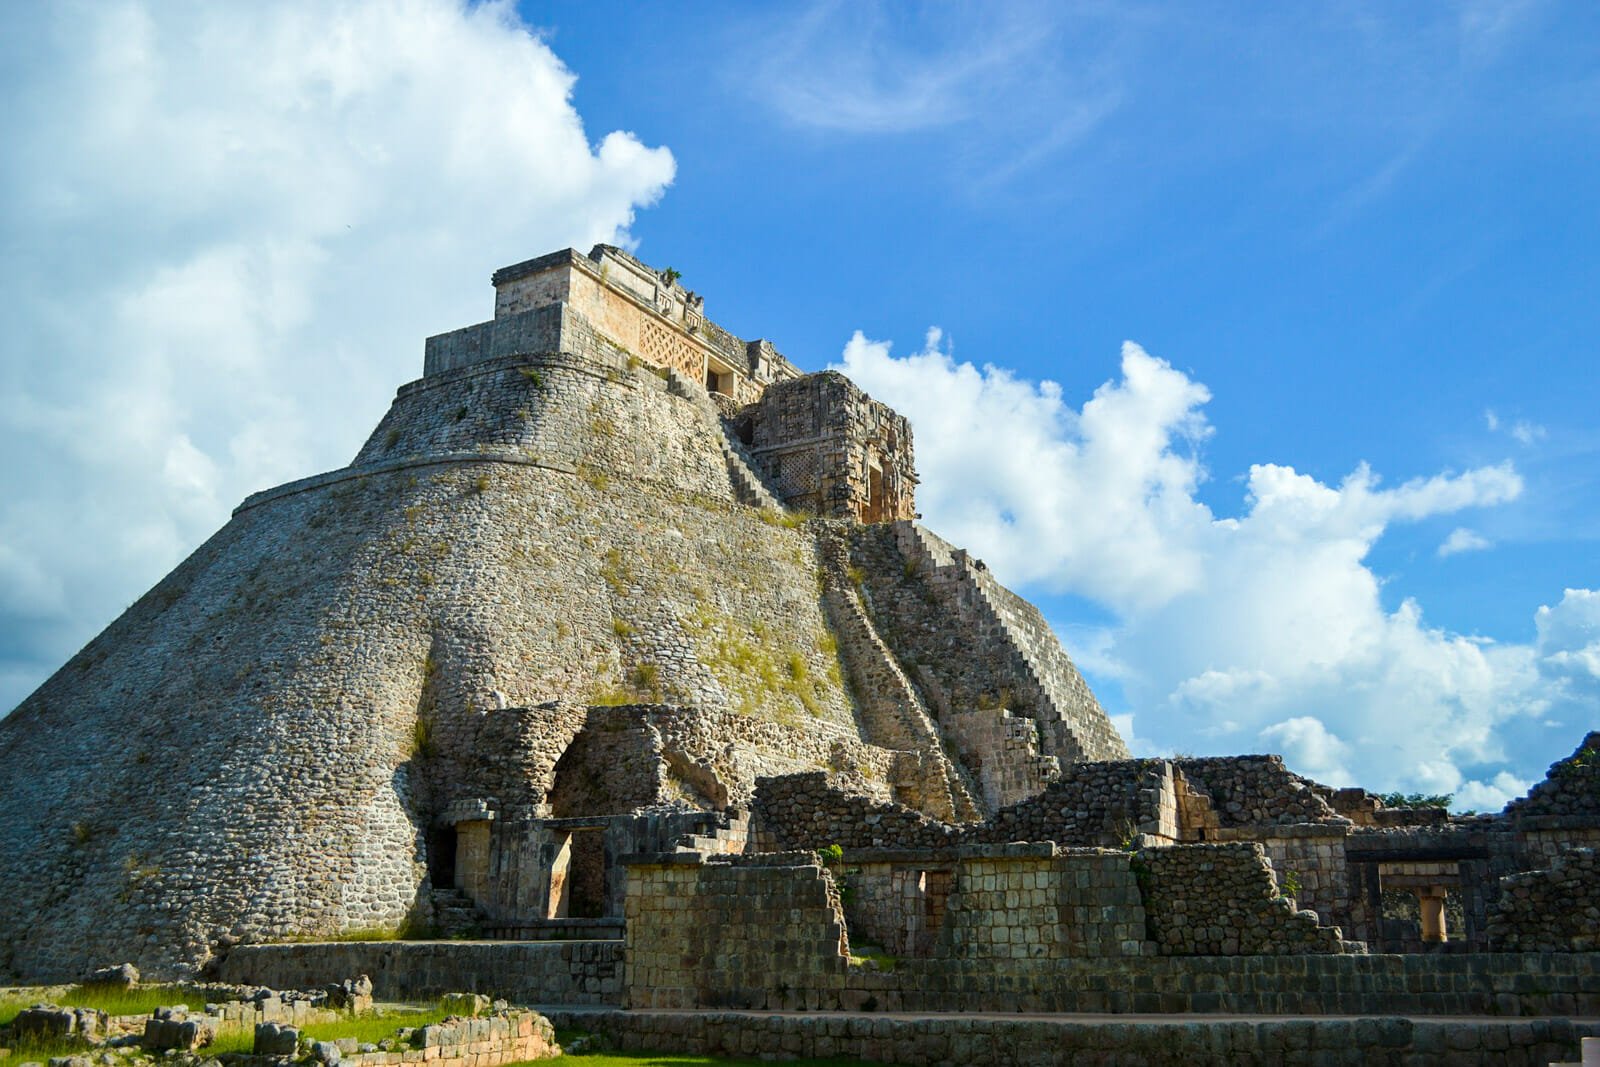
(1035, 902)
(1222, 900)
(1256, 790)
(988, 1041)
(525, 972)
(1556, 909)
(805, 811)
(994, 902)
(754, 932)
(1314, 854)
(1091, 804)
(1101, 804)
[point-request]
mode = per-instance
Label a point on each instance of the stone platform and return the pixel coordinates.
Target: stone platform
(995, 1040)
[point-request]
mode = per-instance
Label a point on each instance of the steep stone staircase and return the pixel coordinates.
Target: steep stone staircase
(748, 486)
(892, 715)
(1073, 725)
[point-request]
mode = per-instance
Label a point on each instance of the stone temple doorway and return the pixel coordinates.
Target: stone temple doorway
(578, 875)
(441, 845)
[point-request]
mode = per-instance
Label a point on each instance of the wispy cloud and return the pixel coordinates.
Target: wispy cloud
(1025, 81)
(1462, 540)
(1528, 432)
(1523, 431)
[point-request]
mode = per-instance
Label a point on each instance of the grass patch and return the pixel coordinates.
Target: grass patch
(35, 1051)
(594, 477)
(373, 1028)
(10, 1006)
(232, 1042)
(788, 520)
(117, 1000)
(885, 962)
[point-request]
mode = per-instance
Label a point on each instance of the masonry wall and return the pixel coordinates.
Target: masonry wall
(524, 972)
(1222, 900)
(502, 1038)
(1313, 854)
(1555, 909)
(760, 932)
(985, 1041)
(831, 450)
(1035, 902)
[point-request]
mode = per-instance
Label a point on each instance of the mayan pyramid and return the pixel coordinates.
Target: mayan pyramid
(601, 558)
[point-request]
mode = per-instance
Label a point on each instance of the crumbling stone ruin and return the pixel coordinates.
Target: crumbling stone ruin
(618, 652)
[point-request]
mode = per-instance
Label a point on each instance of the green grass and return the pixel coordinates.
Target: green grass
(38, 1051)
(9, 1008)
(374, 1028)
(238, 1040)
(142, 1000)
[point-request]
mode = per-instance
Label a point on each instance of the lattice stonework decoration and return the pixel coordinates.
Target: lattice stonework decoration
(797, 474)
(660, 346)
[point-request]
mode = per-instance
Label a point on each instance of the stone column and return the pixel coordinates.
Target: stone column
(1432, 904)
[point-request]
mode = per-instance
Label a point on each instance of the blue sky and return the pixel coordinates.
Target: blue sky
(1262, 342)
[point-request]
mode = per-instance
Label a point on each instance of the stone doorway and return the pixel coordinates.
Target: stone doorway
(441, 855)
(578, 876)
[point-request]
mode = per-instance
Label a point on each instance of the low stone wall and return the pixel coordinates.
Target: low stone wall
(506, 1037)
(1256, 790)
(526, 972)
(1106, 803)
(991, 1041)
(1222, 900)
(1501, 984)
(803, 811)
(1556, 909)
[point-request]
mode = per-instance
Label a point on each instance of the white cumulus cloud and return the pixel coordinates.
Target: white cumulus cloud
(1230, 631)
(227, 229)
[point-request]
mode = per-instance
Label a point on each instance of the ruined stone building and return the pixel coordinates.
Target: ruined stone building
(621, 629)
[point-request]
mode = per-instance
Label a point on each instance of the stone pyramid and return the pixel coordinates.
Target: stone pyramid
(603, 558)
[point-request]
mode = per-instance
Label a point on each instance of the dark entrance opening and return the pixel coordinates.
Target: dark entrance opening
(442, 857)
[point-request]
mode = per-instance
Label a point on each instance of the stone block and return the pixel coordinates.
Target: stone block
(175, 1031)
(276, 1039)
